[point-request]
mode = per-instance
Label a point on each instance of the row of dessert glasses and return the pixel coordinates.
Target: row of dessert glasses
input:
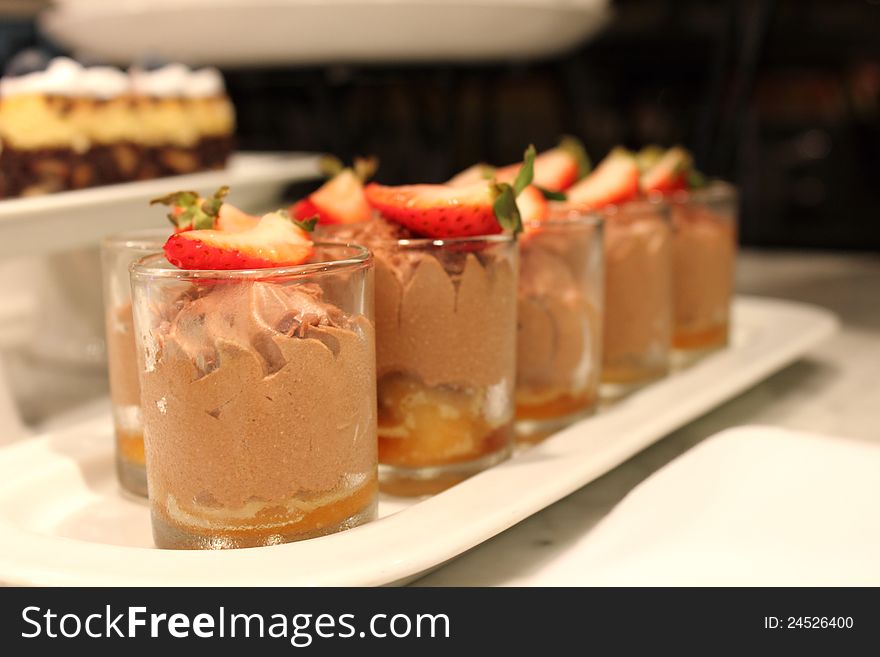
(259, 393)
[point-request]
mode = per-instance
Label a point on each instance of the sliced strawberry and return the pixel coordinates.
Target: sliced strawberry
(532, 205)
(473, 174)
(480, 208)
(556, 169)
(275, 241)
(669, 173)
(233, 220)
(341, 199)
(438, 210)
(615, 180)
(304, 208)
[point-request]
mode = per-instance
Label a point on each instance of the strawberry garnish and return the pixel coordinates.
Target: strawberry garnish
(615, 180)
(556, 169)
(341, 199)
(305, 208)
(274, 241)
(669, 173)
(479, 208)
(438, 210)
(189, 211)
(474, 173)
(233, 220)
(532, 205)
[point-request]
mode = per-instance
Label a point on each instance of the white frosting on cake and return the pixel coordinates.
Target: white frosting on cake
(167, 82)
(205, 83)
(63, 77)
(104, 82)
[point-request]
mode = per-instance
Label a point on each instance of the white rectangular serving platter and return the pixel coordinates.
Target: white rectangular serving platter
(63, 520)
(55, 222)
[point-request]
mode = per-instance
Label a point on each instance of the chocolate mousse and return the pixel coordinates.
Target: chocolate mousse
(704, 252)
(259, 413)
(638, 294)
(445, 352)
(559, 321)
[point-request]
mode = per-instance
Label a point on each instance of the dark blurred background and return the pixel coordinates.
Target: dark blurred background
(782, 97)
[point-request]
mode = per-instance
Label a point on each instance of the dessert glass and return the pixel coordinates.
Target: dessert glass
(559, 322)
(258, 390)
(704, 252)
(637, 329)
(117, 254)
(446, 358)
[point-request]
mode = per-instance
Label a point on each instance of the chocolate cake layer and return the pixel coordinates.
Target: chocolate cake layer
(29, 172)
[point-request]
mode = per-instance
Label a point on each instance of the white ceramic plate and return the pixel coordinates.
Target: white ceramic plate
(63, 521)
(750, 506)
(263, 32)
(56, 222)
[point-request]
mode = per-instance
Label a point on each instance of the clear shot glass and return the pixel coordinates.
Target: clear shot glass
(258, 391)
(704, 240)
(117, 253)
(637, 330)
(559, 335)
(446, 358)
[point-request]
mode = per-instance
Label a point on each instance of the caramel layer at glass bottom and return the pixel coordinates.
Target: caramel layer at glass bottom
(631, 374)
(271, 525)
(130, 446)
(424, 426)
(560, 406)
(425, 450)
(716, 336)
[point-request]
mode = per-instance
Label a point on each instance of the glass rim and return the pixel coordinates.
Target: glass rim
(417, 242)
(657, 206)
(714, 190)
(139, 238)
(361, 256)
(568, 217)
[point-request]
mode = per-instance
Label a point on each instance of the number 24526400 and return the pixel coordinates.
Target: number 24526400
(808, 622)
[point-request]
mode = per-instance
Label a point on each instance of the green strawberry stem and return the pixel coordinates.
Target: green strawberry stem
(576, 149)
(504, 206)
(365, 167)
(188, 212)
(649, 156)
(211, 206)
(307, 225)
(696, 180)
(505, 209)
(179, 199)
(550, 195)
(526, 171)
(330, 165)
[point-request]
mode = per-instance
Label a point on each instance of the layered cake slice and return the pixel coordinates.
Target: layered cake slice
(186, 120)
(65, 126)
